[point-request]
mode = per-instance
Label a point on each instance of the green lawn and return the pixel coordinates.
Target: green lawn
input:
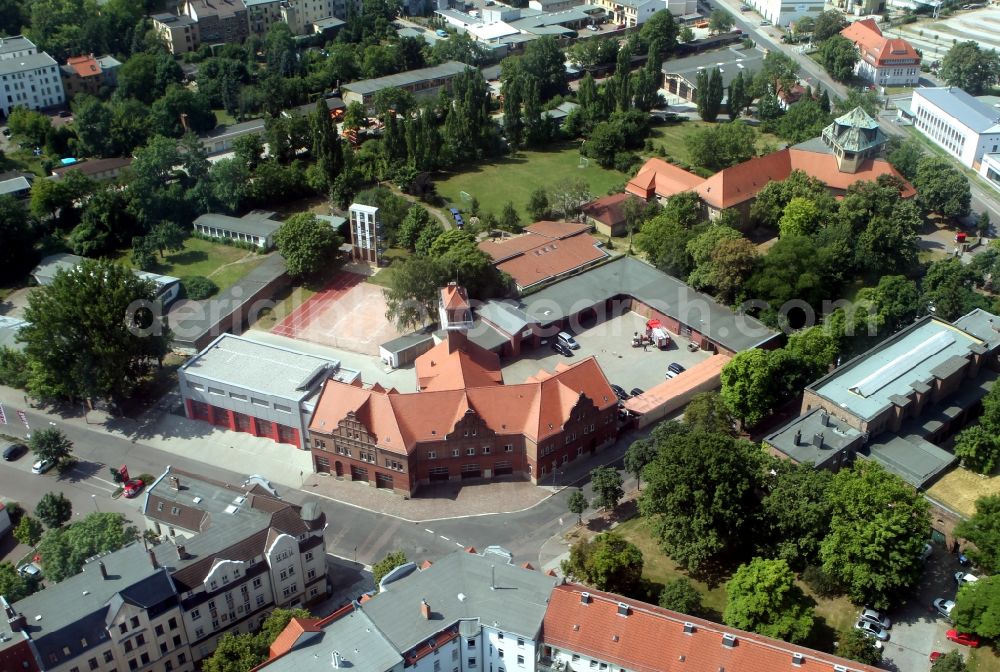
(673, 138)
(514, 178)
(222, 263)
(833, 615)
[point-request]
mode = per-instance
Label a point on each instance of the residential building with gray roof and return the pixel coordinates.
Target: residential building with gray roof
(256, 228)
(27, 78)
(421, 83)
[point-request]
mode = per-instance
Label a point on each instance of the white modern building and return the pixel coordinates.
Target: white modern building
(782, 13)
(989, 168)
(27, 78)
(366, 233)
(964, 127)
(256, 228)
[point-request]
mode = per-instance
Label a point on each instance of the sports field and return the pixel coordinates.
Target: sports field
(514, 178)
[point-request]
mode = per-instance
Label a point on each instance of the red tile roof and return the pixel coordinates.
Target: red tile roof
(609, 210)
(290, 635)
(876, 48)
(741, 182)
(454, 297)
(557, 230)
(456, 363)
(652, 639)
(537, 408)
(553, 258)
(659, 178)
(84, 66)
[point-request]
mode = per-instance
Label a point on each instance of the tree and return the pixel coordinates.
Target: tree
(707, 412)
(28, 531)
(660, 29)
(978, 449)
(327, 148)
(13, 586)
(720, 21)
(828, 24)
(905, 157)
(51, 444)
(93, 120)
(895, 302)
(64, 550)
(538, 204)
(545, 61)
(947, 288)
(607, 485)
(750, 385)
(866, 99)
(639, 454)
(803, 120)
(795, 513)
(709, 93)
(608, 562)
(983, 530)
(941, 187)
(308, 244)
(762, 597)
(16, 253)
(390, 562)
(950, 662)
(977, 608)
(738, 97)
(509, 219)
(970, 67)
(664, 238)
(33, 126)
(54, 509)
(412, 295)
(577, 503)
(888, 244)
(167, 236)
(856, 645)
(681, 595)
(109, 336)
(567, 197)
(234, 653)
(722, 146)
(699, 494)
(801, 218)
(983, 223)
(878, 526)
(839, 56)
(769, 206)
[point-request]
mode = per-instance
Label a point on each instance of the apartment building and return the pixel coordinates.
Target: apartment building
(120, 613)
(630, 13)
(262, 14)
(464, 424)
(180, 32)
(960, 124)
(219, 21)
(233, 553)
(27, 78)
(884, 61)
(87, 74)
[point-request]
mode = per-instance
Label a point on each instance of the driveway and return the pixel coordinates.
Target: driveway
(611, 343)
(917, 629)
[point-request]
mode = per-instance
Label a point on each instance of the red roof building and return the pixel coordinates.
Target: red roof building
(465, 425)
(607, 214)
(617, 632)
(545, 252)
(884, 61)
(662, 180)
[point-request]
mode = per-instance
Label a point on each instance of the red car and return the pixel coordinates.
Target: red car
(963, 638)
(134, 487)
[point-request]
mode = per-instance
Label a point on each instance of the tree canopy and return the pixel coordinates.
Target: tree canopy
(64, 550)
(970, 67)
(983, 530)
(54, 509)
(977, 607)
(308, 245)
(942, 187)
(607, 485)
(608, 562)
(390, 562)
(51, 444)
(762, 597)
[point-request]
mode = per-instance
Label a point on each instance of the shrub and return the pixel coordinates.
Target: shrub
(199, 287)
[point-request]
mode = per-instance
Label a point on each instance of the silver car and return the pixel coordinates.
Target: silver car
(944, 607)
(876, 618)
(873, 630)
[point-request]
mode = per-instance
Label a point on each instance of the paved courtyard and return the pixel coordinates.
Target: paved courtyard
(935, 37)
(611, 343)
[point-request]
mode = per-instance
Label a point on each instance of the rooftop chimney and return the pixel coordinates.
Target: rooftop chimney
(175, 483)
(425, 610)
(798, 436)
(818, 440)
(181, 552)
(104, 570)
(152, 559)
(335, 659)
(585, 597)
(824, 418)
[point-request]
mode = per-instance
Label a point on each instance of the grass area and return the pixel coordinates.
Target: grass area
(960, 488)
(833, 615)
(673, 138)
(383, 278)
(222, 263)
(223, 118)
(984, 659)
(514, 178)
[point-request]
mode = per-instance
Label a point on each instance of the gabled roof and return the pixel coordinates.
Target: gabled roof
(456, 363)
(875, 47)
(659, 178)
(646, 638)
(545, 251)
(609, 210)
(84, 66)
(454, 297)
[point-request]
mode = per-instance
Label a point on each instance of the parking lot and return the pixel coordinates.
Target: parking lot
(611, 343)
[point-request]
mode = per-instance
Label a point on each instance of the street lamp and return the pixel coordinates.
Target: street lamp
(94, 497)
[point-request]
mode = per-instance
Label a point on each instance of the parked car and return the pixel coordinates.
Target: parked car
(591, 26)
(134, 487)
(873, 630)
(14, 451)
(928, 549)
(674, 370)
(961, 578)
(567, 340)
(944, 607)
(441, 33)
(29, 569)
(562, 348)
(963, 638)
(636, 391)
(620, 392)
(41, 466)
(876, 617)
(454, 211)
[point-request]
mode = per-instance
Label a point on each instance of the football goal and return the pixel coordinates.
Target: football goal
(465, 196)
(584, 162)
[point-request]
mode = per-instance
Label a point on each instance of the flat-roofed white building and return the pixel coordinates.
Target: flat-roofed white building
(256, 228)
(253, 387)
(964, 127)
(989, 168)
(27, 78)
(782, 13)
